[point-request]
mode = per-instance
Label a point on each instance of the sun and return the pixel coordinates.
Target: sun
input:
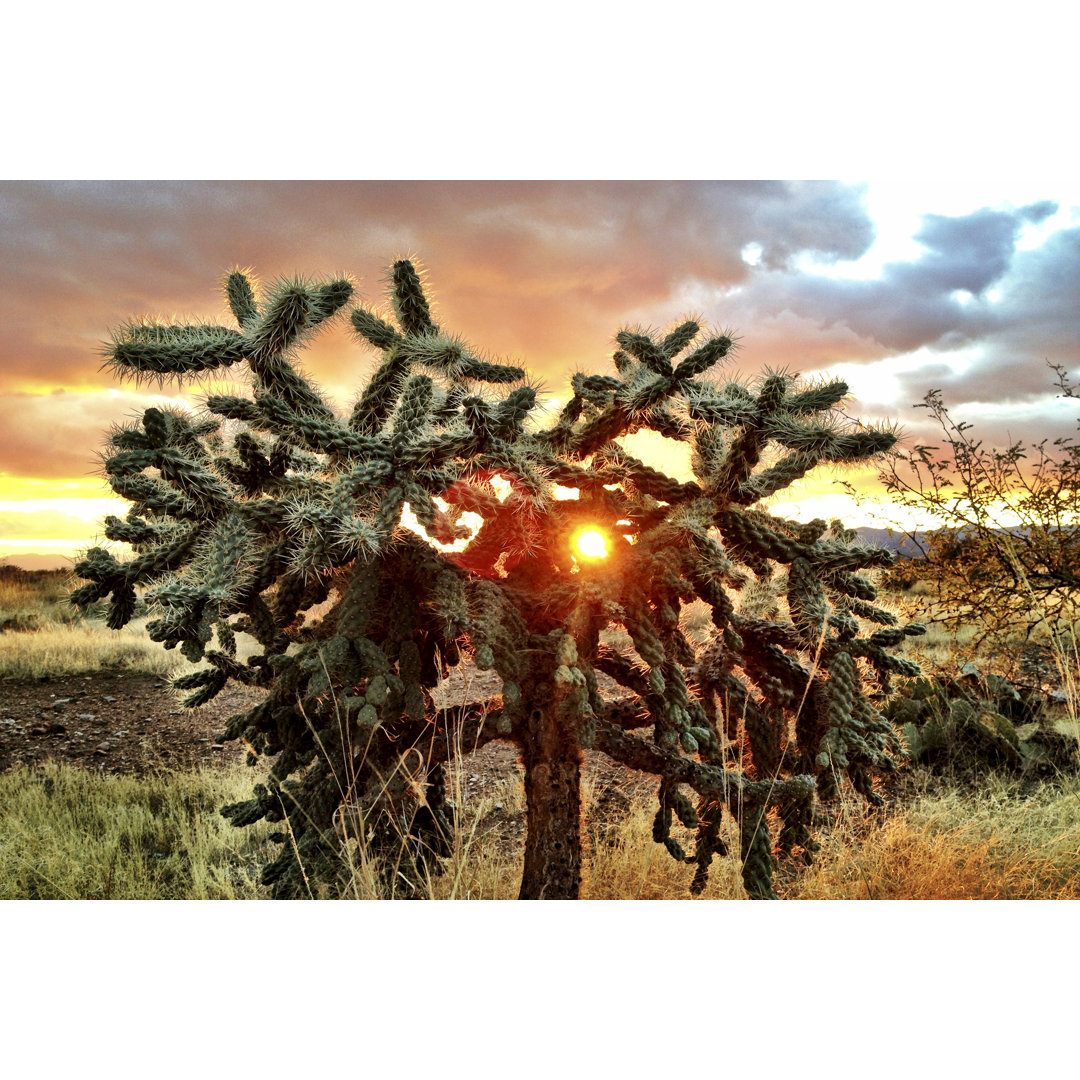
(591, 543)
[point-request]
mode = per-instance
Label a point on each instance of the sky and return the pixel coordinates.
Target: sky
(969, 287)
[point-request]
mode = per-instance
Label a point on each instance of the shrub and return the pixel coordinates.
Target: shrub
(1006, 557)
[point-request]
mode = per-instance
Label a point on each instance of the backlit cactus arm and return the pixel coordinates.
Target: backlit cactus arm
(410, 304)
(620, 465)
(779, 476)
(413, 415)
(817, 399)
(508, 420)
(700, 360)
(208, 492)
(680, 338)
(292, 310)
(151, 496)
(134, 531)
(380, 396)
(147, 351)
(240, 296)
(498, 635)
(745, 450)
(651, 355)
(729, 406)
(747, 799)
(235, 408)
(750, 535)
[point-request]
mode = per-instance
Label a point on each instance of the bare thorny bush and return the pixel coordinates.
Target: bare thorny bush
(1006, 559)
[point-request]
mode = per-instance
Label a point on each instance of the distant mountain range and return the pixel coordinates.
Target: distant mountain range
(903, 545)
(37, 562)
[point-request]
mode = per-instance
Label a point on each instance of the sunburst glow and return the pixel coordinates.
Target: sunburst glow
(592, 544)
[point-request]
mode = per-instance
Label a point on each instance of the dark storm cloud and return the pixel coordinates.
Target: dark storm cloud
(1035, 323)
(968, 253)
(828, 221)
(914, 303)
(1039, 321)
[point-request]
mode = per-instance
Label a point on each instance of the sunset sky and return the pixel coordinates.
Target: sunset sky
(970, 287)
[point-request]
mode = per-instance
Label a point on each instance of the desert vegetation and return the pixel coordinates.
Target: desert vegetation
(961, 822)
(42, 634)
(1002, 561)
(703, 699)
(252, 515)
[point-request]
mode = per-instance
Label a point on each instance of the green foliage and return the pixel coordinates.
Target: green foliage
(976, 720)
(260, 511)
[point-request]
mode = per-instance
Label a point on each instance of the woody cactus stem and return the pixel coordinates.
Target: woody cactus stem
(552, 735)
(552, 759)
(249, 516)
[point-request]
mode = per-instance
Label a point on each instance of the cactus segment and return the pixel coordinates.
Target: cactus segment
(240, 295)
(409, 301)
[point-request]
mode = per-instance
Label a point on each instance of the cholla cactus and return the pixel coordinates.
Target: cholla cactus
(246, 518)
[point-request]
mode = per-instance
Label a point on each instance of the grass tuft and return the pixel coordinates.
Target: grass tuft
(1001, 841)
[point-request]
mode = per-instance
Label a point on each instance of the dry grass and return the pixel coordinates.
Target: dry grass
(485, 862)
(75, 835)
(29, 601)
(994, 843)
(42, 634)
(83, 649)
(71, 834)
(622, 862)
(625, 863)
(941, 649)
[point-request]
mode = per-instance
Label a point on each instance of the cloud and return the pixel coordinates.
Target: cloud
(913, 303)
(58, 436)
(968, 253)
(542, 273)
(539, 271)
(1031, 324)
(828, 221)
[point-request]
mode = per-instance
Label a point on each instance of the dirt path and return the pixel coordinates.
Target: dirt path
(113, 722)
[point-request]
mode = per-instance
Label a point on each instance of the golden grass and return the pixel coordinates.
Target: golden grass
(625, 863)
(44, 635)
(484, 864)
(82, 649)
(28, 601)
(994, 843)
(70, 834)
(622, 862)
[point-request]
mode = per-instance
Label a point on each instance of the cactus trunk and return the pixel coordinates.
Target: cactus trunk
(553, 807)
